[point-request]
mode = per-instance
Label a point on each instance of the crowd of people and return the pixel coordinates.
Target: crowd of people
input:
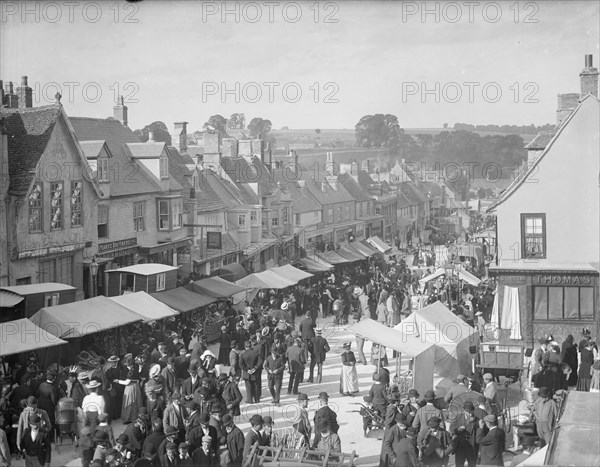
(180, 401)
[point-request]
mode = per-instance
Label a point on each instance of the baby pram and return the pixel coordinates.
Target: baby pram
(66, 420)
(371, 418)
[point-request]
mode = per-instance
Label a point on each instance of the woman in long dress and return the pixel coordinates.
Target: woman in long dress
(349, 376)
(586, 360)
(132, 394)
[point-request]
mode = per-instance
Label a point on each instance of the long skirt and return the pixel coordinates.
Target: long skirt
(132, 401)
(583, 383)
(348, 380)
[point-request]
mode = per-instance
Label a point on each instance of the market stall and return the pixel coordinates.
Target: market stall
(316, 264)
(215, 287)
(183, 300)
(379, 244)
(420, 352)
(453, 338)
(145, 305)
(289, 272)
(23, 335)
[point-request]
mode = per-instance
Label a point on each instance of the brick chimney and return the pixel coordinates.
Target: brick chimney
(25, 94)
(589, 78)
(12, 100)
(329, 164)
(293, 161)
(258, 149)
(229, 147)
(212, 151)
(179, 137)
(566, 104)
(120, 111)
(245, 147)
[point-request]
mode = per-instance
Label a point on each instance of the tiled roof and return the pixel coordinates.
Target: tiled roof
(146, 150)
(412, 192)
(117, 136)
(92, 149)
(352, 186)
(404, 202)
(29, 131)
(227, 192)
(432, 188)
(540, 141)
(207, 198)
(365, 180)
(302, 200)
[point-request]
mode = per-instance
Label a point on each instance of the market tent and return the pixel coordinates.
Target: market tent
(291, 273)
(231, 272)
(452, 337)
(462, 275)
(361, 248)
(315, 264)
(22, 335)
(182, 299)
(332, 257)
(350, 255)
(215, 287)
(409, 346)
(85, 317)
(9, 299)
(577, 427)
(253, 281)
(276, 281)
(146, 305)
(370, 247)
(379, 244)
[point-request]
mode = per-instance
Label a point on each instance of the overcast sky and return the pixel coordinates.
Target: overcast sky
(172, 60)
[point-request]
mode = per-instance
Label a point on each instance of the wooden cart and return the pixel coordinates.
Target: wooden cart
(287, 457)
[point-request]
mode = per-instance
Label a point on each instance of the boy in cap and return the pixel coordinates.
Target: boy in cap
(459, 388)
(303, 425)
(491, 441)
(230, 394)
(32, 408)
(410, 409)
(425, 413)
(366, 416)
(174, 416)
(328, 440)
(170, 458)
(185, 460)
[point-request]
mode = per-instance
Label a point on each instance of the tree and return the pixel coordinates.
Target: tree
(379, 131)
(260, 128)
(217, 123)
(237, 122)
(318, 131)
(445, 125)
(161, 133)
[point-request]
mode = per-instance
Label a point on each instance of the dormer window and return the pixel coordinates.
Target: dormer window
(164, 167)
(103, 169)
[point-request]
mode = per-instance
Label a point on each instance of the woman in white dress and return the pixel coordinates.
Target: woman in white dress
(349, 376)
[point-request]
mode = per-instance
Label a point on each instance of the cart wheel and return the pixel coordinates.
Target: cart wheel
(508, 421)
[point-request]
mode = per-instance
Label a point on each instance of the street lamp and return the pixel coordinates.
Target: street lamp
(94, 273)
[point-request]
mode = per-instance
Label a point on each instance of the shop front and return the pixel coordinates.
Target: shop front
(556, 302)
(168, 253)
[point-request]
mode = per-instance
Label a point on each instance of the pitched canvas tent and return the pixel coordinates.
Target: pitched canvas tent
(451, 336)
(422, 351)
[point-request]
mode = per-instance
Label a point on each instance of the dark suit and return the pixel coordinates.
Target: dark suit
(136, 438)
(195, 434)
(166, 462)
(325, 413)
(250, 360)
(491, 446)
(380, 402)
(231, 395)
(200, 458)
(252, 438)
(296, 357)
(320, 347)
(275, 379)
(466, 447)
(235, 446)
(406, 452)
(307, 329)
(39, 449)
(188, 388)
(389, 447)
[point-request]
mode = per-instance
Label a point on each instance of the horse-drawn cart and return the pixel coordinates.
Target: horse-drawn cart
(289, 457)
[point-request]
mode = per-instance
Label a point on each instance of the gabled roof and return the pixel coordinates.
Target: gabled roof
(431, 187)
(365, 180)
(302, 200)
(227, 192)
(532, 169)
(146, 150)
(29, 131)
(540, 141)
(92, 149)
(352, 186)
(117, 136)
(410, 190)
(404, 202)
(207, 198)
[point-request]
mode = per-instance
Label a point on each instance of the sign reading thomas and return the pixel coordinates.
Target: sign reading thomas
(213, 240)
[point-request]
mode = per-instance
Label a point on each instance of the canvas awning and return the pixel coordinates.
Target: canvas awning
(315, 264)
(291, 273)
(9, 299)
(85, 317)
(215, 287)
(379, 244)
(361, 248)
(350, 255)
(146, 305)
(183, 300)
(253, 281)
(22, 335)
(231, 272)
(333, 257)
(276, 281)
(408, 345)
(462, 275)
(369, 247)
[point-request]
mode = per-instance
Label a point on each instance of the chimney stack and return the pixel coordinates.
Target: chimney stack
(12, 100)
(589, 78)
(120, 111)
(566, 104)
(179, 137)
(1, 93)
(212, 151)
(25, 94)
(151, 137)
